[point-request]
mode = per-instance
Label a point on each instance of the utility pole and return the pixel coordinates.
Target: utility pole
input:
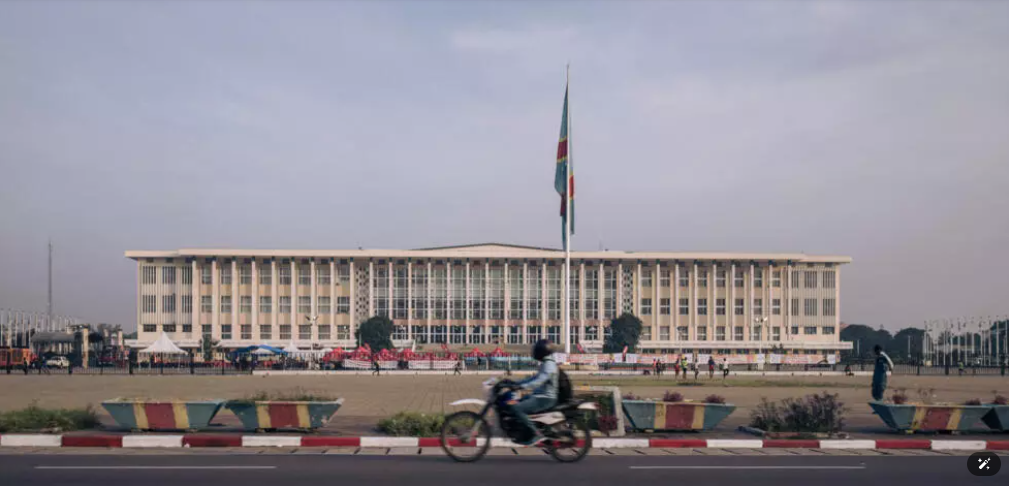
(49, 313)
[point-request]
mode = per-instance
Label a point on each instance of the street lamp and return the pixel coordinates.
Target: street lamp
(760, 321)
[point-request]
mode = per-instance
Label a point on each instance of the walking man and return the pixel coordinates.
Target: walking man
(711, 367)
(883, 365)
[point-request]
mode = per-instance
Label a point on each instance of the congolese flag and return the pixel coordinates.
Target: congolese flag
(564, 177)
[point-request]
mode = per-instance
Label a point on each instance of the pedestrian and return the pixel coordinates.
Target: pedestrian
(883, 365)
(960, 366)
(658, 368)
(458, 368)
(683, 365)
(697, 369)
(676, 368)
(725, 368)
(375, 368)
(711, 367)
(26, 365)
(847, 370)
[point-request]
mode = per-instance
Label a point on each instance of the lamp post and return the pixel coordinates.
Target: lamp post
(760, 321)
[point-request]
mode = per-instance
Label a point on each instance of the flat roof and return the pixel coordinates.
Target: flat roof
(491, 250)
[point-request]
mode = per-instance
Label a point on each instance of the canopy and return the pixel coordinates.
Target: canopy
(498, 353)
(475, 353)
(291, 348)
(163, 345)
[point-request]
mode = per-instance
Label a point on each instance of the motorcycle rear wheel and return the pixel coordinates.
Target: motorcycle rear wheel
(574, 441)
(465, 436)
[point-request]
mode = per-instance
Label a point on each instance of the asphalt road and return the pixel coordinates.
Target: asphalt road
(217, 470)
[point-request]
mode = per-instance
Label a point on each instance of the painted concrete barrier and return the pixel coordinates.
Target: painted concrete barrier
(268, 415)
(929, 418)
(997, 418)
(655, 415)
(162, 415)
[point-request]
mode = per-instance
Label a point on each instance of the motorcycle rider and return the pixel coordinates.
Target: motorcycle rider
(544, 386)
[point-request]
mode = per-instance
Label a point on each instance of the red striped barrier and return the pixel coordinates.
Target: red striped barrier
(792, 443)
(323, 441)
(92, 441)
(211, 440)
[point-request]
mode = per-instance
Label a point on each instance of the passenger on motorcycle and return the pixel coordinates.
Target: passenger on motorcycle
(544, 391)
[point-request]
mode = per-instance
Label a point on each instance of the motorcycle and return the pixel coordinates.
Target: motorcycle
(466, 435)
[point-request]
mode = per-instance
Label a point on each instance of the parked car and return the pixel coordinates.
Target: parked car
(58, 362)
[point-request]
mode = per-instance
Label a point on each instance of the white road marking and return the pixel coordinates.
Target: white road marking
(153, 467)
(752, 467)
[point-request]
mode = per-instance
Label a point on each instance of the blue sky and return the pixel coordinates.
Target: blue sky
(878, 130)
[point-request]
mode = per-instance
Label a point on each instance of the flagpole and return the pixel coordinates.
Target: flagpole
(567, 222)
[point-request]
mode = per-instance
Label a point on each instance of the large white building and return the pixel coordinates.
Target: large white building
(488, 294)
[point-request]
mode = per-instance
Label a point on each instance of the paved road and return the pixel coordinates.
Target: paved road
(215, 470)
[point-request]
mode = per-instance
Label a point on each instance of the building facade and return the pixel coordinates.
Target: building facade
(490, 294)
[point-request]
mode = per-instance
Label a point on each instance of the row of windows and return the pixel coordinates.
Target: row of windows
(809, 309)
(149, 304)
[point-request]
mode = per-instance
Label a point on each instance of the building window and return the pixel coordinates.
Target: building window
(343, 305)
(738, 307)
(168, 303)
(795, 330)
(685, 307)
(305, 275)
(245, 278)
(664, 306)
(458, 285)
(591, 333)
(304, 304)
(609, 294)
(150, 304)
(719, 307)
(702, 333)
(266, 276)
(266, 332)
(720, 278)
(554, 334)
(755, 333)
(646, 307)
(400, 304)
(226, 275)
(737, 278)
(810, 279)
(702, 307)
(684, 277)
(457, 334)
(325, 306)
(187, 328)
(265, 304)
(285, 275)
(829, 330)
(226, 331)
(758, 278)
(776, 307)
(343, 333)
(809, 307)
(497, 293)
(591, 294)
(682, 333)
(399, 333)
(285, 304)
(150, 274)
(344, 271)
(795, 307)
(168, 275)
(829, 279)
(168, 328)
(795, 279)
(720, 333)
(646, 333)
(247, 332)
(206, 304)
(646, 278)
(207, 330)
(187, 275)
(810, 330)
(206, 275)
(776, 278)
(285, 332)
(150, 328)
(664, 277)
(829, 307)
(554, 294)
(439, 294)
(187, 304)
(324, 332)
(575, 296)
(758, 307)
(305, 332)
(226, 304)
(776, 334)
(322, 275)
(737, 333)
(245, 305)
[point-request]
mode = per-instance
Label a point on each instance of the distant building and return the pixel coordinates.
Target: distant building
(490, 293)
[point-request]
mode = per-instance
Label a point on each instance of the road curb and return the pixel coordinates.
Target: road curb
(147, 441)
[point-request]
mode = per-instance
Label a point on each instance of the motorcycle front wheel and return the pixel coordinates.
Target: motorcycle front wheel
(573, 441)
(465, 436)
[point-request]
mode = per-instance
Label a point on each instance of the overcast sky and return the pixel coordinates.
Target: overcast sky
(877, 130)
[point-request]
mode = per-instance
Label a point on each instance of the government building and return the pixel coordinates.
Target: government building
(491, 294)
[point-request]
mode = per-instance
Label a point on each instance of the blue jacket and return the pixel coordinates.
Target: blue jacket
(545, 382)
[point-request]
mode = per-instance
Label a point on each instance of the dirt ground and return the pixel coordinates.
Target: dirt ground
(368, 398)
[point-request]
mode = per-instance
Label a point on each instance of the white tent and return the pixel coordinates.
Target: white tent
(262, 352)
(163, 345)
(291, 348)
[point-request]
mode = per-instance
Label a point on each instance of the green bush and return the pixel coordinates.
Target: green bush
(812, 413)
(296, 395)
(35, 419)
(412, 424)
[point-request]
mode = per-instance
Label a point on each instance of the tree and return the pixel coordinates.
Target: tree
(907, 338)
(376, 333)
(207, 346)
(864, 338)
(624, 331)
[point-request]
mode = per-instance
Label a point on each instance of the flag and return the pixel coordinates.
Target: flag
(580, 348)
(564, 177)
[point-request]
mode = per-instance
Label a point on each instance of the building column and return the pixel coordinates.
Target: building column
(469, 307)
(392, 295)
(732, 303)
(274, 298)
(314, 309)
(601, 293)
(195, 290)
(255, 299)
(332, 298)
(430, 308)
(674, 300)
(525, 301)
(637, 292)
(485, 325)
(787, 282)
(353, 301)
(693, 316)
(215, 282)
(836, 321)
(409, 299)
(294, 299)
(543, 296)
(657, 302)
(620, 290)
(581, 302)
(750, 316)
(371, 289)
(506, 308)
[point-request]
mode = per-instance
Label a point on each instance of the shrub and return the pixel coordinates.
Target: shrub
(999, 400)
(295, 395)
(607, 423)
(899, 397)
(973, 401)
(674, 397)
(34, 419)
(630, 396)
(812, 413)
(412, 424)
(714, 399)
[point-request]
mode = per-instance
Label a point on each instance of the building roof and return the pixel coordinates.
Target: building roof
(488, 250)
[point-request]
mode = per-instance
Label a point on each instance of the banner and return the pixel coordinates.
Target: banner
(775, 358)
(432, 365)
